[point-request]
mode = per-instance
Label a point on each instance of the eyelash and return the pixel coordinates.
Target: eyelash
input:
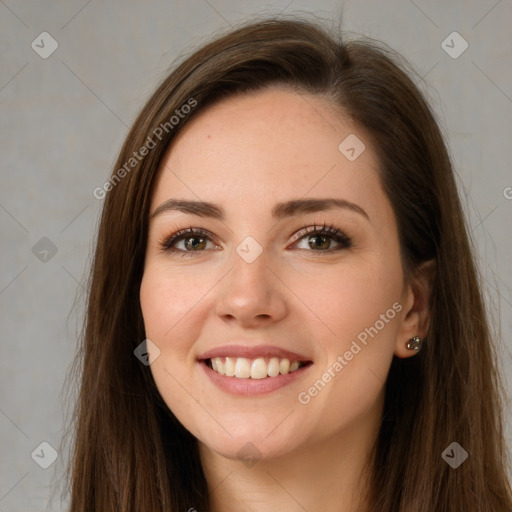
(167, 243)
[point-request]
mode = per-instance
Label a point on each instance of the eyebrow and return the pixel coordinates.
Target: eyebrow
(279, 212)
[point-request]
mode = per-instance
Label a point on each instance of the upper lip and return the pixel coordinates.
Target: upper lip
(252, 352)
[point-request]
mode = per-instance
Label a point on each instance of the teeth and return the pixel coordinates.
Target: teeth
(294, 366)
(229, 366)
(273, 367)
(242, 368)
(221, 367)
(258, 368)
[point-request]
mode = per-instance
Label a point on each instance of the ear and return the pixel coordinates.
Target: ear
(416, 308)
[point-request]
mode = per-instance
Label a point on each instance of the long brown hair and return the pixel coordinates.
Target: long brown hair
(131, 454)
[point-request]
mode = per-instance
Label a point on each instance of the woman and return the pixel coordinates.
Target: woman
(284, 311)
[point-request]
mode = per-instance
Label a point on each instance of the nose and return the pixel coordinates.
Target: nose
(252, 294)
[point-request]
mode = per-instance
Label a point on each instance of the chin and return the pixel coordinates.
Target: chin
(249, 441)
(247, 450)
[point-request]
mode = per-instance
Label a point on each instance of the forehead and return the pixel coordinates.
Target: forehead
(275, 143)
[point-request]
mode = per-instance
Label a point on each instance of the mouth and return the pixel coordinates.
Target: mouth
(246, 369)
(256, 368)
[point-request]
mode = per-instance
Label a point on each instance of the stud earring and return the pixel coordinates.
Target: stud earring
(414, 343)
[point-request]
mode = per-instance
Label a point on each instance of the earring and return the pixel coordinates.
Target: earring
(414, 343)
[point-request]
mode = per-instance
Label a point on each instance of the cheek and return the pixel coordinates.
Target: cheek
(361, 308)
(167, 303)
(352, 297)
(358, 310)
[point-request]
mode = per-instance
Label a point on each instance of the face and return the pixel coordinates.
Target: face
(272, 274)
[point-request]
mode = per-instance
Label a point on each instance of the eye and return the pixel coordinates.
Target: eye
(194, 239)
(320, 239)
(317, 238)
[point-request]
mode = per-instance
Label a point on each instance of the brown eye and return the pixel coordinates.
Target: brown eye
(319, 242)
(320, 239)
(192, 244)
(194, 240)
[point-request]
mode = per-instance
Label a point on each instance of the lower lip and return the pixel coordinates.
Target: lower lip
(252, 387)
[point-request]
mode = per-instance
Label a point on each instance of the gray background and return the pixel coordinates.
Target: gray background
(64, 118)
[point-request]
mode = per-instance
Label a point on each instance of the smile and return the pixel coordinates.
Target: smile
(258, 368)
(246, 369)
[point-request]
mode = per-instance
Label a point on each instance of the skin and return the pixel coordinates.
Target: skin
(245, 154)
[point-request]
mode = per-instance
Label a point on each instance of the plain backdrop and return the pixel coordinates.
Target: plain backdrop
(64, 116)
